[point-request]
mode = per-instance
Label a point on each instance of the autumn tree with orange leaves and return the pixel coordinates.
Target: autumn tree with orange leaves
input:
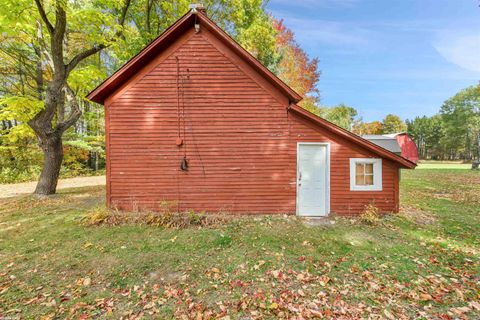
(374, 127)
(295, 68)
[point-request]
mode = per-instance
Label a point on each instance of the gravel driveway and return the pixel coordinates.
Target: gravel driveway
(12, 190)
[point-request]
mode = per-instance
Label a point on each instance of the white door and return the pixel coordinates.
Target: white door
(312, 179)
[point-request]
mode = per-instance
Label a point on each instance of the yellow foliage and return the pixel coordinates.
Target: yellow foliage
(370, 214)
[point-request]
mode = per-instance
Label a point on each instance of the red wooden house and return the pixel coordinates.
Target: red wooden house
(196, 120)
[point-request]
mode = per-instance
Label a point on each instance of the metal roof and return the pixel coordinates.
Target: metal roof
(384, 141)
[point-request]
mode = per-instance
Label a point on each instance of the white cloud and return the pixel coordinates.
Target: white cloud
(319, 3)
(311, 33)
(461, 48)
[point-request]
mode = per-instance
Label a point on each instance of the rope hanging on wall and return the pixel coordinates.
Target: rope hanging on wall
(180, 142)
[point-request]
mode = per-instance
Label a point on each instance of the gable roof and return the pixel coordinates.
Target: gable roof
(183, 24)
(187, 22)
(347, 135)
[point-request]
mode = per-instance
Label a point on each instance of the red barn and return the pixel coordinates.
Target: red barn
(399, 143)
(408, 146)
(195, 120)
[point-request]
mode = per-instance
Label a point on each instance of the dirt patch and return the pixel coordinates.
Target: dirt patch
(418, 216)
(13, 190)
(471, 195)
(316, 222)
(64, 200)
(167, 278)
(442, 195)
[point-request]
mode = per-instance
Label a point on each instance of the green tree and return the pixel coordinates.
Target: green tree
(52, 39)
(54, 51)
(461, 119)
(341, 115)
(427, 132)
(393, 124)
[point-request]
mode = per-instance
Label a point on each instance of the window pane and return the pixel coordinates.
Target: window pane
(369, 179)
(368, 167)
(360, 180)
(359, 168)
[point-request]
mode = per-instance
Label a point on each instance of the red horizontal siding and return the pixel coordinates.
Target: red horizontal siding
(239, 139)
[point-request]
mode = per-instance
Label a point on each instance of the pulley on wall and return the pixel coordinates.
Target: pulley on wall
(180, 141)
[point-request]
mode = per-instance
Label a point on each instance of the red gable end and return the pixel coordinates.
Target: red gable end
(196, 120)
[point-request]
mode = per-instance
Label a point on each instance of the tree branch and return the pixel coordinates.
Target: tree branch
(97, 48)
(74, 114)
(124, 12)
(44, 17)
(123, 18)
(83, 55)
(57, 43)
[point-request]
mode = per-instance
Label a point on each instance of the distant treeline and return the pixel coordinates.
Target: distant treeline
(453, 133)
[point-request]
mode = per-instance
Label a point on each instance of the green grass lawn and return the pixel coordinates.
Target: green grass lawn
(443, 165)
(423, 263)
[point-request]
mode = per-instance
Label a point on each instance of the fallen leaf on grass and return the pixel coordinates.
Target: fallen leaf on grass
(87, 281)
(459, 294)
(460, 310)
(259, 265)
(425, 297)
(388, 315)
(367, 275)
(277, 274)
(475, 305)
(273, 306)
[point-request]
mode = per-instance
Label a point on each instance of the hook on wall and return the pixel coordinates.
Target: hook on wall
(184, 164)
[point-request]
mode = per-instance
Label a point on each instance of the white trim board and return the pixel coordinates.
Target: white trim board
(327, 180)
(377, 174)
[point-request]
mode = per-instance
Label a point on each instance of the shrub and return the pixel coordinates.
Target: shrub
(166, 218)
(18, 164)
(24, 163)
(98, 216)
(370, 215)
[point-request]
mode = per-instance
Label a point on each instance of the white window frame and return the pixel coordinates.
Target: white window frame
(377, 174)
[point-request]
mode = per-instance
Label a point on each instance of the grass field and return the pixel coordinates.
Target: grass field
(423, 263)
(444, 165)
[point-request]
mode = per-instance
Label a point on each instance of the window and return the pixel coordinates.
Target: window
(365, 174)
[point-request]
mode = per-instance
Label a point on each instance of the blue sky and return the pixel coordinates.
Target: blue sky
(388, 56)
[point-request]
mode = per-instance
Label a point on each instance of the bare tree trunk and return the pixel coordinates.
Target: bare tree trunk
(478, 146)
(53, 157)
